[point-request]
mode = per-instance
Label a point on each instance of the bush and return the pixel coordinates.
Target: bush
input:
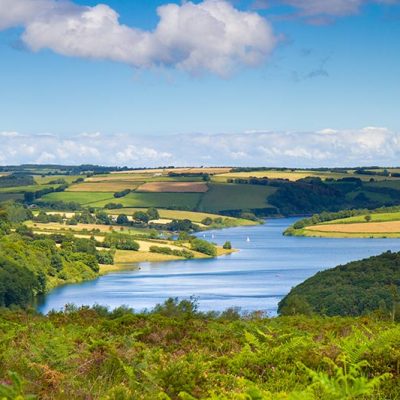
(120, 242)
(227, 245)
(105, 257)
(175, 252)
(113, 206)
(202, 246)
(122, 193)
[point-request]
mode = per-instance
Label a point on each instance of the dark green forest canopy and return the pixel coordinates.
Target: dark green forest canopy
(357, 288)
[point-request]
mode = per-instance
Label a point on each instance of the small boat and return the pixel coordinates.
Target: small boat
(248, 239)
(212, 236)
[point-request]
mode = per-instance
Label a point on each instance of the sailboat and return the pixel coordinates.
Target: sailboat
(212, 236)
(248, 239)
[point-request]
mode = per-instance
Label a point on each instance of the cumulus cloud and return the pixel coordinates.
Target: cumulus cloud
(327, 147)
(209, 36)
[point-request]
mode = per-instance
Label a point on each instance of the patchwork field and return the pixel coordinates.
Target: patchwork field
(272, 174)
(174, 187)
(227, 197)
(295, 175)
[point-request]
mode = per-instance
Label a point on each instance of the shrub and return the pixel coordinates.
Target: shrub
(202, 246)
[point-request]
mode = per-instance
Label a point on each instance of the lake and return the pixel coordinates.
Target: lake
(255, 278)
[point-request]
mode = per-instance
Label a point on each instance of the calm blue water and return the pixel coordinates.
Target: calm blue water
(255, 278)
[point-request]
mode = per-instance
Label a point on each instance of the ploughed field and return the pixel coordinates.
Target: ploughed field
(171, 187)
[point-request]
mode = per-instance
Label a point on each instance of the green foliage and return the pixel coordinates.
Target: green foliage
(16, 179)
(357, 288)
(122, 219)
(141, 216)
(175, 252)
(105, 257)
(202, 246)
(176, 352)
(153, 213)
(181, 225)
(14, 390)
(122, 193)
(227, 245)
(120, 241)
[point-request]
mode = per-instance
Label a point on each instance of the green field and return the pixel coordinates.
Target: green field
(83, 198)
(378, 197)
(187, 201)
(231, 197)
(10, 196)
(43, 180)
(375, 217)
(22, 189)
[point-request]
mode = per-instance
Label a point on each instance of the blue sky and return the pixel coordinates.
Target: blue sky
(318, 64)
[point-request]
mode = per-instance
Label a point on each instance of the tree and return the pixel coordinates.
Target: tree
(296, 305)
(367, 218)
(202, 246)
(207, 221)
(227, 245)
(153, 213)
(141, 216)
(122, 219)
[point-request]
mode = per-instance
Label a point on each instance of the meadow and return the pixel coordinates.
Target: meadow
(83, 198)
(185, 201)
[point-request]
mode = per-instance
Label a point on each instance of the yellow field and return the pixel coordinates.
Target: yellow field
(211, 170)
(389, 227)
(271, 174)
(131, 178)
(174, 187)
(54, 226)
(106, 186)
(178, 214)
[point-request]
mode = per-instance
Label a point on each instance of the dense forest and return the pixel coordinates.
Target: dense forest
(176, 352)
(31, 264)
(357, 288)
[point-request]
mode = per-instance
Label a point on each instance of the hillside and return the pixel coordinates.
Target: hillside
(177, 353)
(377, 223)
(259, 192)
(354, 289)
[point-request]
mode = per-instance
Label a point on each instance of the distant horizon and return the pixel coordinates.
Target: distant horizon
(205, 166)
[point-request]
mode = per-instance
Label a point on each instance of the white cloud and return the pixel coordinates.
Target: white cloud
(9, 134)
(370, 145)
(321, 11)
(208, 36)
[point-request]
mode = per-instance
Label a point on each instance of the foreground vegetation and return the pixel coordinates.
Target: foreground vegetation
(176, 352)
